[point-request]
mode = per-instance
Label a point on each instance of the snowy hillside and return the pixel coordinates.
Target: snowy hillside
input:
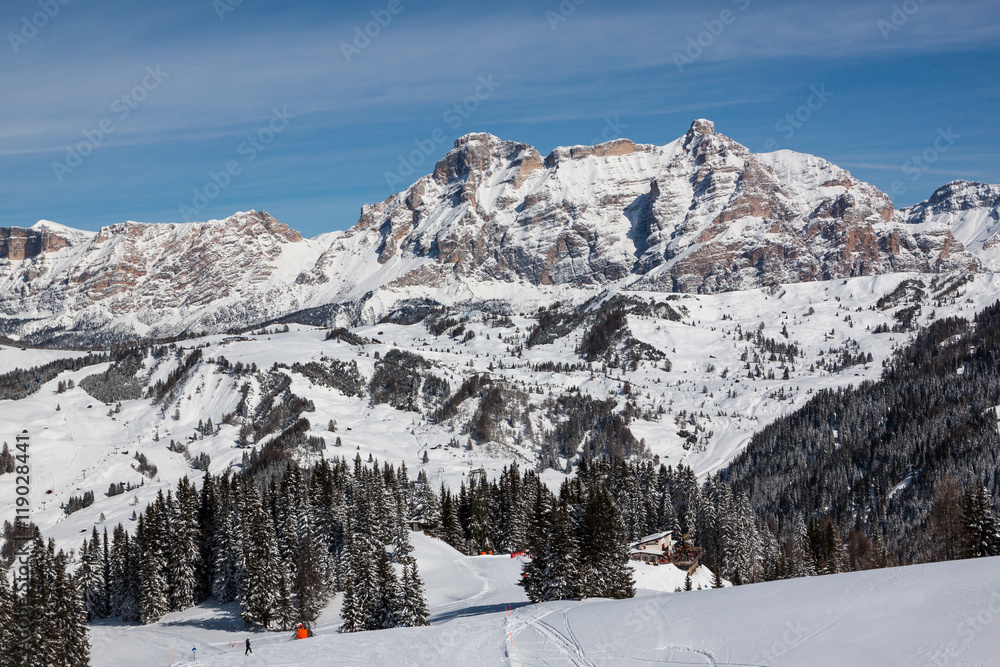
(939, 614)
(724, 382)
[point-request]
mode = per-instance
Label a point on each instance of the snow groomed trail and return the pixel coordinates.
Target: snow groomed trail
(941, 614)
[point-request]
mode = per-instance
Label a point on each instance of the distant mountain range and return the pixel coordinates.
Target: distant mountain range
(495, 219)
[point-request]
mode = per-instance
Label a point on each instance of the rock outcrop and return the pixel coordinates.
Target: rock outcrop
(700, 214)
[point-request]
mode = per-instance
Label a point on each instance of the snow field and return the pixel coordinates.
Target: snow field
(939, 614)
(79, 448)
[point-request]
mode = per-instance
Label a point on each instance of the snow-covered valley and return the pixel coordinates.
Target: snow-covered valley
(721, 388)
(939, 614)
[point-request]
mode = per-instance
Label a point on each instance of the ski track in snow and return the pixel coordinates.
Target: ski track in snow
(904, 615)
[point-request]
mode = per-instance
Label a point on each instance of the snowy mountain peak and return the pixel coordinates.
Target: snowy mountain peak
(699, 214)
(701, 126)
(56, 228)
(967, 210)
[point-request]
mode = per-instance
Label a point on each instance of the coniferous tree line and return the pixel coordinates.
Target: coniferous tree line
(901, 470)
(21, 383)
(280, 541)
(42, 617)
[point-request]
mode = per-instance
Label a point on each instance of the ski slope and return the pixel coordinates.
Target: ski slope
(80, 446)
(940, 614)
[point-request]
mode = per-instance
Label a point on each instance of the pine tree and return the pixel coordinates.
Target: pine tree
(386, 602)
(90, 577)
(350, 610)
(208, 525)
(533, 571)
(40, 604)
(71, 618)
(980, 535)
(260, 562)
(307, 587)
(184, 563)
(228, 566)
(153, 593)
(285, 613)
(425, 507)
(413, 603)
(604, 547)
(561, 567)
(120, 603)
(687, 582)
(7, 631)
(717, 580)
(360, 586)
(106, 571)
(450, 525)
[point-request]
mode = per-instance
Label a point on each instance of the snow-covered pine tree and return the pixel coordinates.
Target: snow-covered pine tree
(805, 563)
(285, 616)
(749, 556)
(326, 490)
(413, 607)
(533, 572)
(729, 537)
(6, 622)
(308, 589)
(425, 507)
(106, 572)
(350, 612)
(40, 604)
(479, 513)
(604, 547)
(90, 577)
(562, 572)
(981, 537)
(260, 561)
(451, 528)
(386, 600)
(153, 593)
(124, 601)
(71, 618)
(359, 581)
(184, 564)
(228, 566)
(668, 513)
(208, 525)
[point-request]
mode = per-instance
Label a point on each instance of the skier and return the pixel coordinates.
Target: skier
(249, 650)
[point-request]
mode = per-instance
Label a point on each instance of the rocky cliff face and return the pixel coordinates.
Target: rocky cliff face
(968, 211)
(700, 214)
(138, 278)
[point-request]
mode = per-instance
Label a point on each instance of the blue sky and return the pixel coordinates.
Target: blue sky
(166, 111)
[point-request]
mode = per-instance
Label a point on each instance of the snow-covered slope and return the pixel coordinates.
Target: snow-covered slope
(941, 614)
(721, 386)
(701, 214)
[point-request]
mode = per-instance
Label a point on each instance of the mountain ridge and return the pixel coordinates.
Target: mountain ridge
(700, 214)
